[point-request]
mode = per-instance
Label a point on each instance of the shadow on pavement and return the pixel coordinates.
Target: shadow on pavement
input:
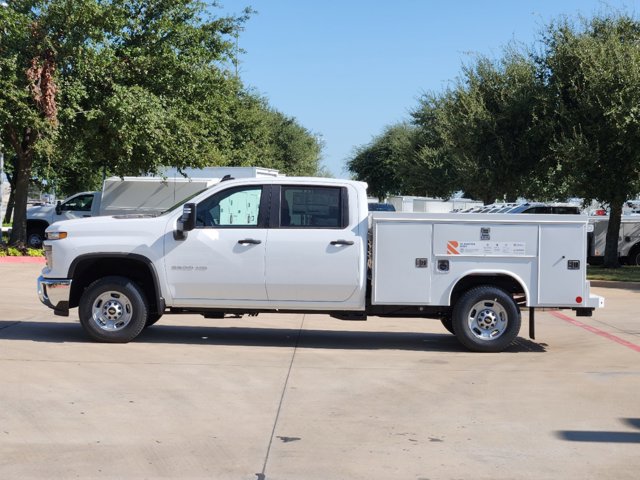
(603, 437)
(56, 332)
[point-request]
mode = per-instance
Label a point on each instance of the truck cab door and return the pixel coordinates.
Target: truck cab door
(314, 247)
(222, 261)
(78, 206)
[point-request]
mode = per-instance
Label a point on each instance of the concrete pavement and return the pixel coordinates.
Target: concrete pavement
(309, 397)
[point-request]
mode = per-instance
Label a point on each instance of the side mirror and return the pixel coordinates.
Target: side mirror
(58, 208)
(187, 221)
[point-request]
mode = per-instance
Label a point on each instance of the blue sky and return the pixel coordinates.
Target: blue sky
(346, 69)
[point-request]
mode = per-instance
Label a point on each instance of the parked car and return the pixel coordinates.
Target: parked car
(529, 207)
(381, 207)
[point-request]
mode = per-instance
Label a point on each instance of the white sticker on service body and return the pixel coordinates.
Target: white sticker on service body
(486, 248)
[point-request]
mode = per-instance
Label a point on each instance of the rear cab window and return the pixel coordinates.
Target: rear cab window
(303, 206)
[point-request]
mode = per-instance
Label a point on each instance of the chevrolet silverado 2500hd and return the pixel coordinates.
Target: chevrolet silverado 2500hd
(309, 245)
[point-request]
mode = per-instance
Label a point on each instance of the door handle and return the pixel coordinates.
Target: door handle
(249, 241)
(342, 242)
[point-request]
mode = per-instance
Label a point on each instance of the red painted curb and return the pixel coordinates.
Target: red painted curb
(22, 259)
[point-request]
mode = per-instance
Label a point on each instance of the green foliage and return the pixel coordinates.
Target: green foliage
(561, 122)
(483, 135)
(123, 87)
(593, 77)
(20, 252)
(377, 162)
(593, 73)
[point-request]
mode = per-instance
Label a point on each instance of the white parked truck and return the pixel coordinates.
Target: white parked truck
(119, 196)
(247, 246)
(628, 239)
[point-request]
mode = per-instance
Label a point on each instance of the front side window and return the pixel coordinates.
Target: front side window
(80, 203)
(235, 207)
(311, 207)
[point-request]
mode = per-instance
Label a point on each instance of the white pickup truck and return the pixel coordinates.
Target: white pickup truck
(118, 196)
(309, 245)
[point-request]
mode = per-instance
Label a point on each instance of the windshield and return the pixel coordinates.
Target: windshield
(181, 202)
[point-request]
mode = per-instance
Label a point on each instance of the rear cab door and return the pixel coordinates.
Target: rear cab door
(316, 247)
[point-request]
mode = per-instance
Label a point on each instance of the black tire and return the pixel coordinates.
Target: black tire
(35, 237)
(113, 310)
(447, 322)
(152, 318)
(486, 319)
(634, 257)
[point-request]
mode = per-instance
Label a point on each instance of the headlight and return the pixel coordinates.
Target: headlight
(56, 235)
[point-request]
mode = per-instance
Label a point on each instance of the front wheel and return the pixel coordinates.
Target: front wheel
(486, 319)
(35, 237)
(152, 318)
(113, 309)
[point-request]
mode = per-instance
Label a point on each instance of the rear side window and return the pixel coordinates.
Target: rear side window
(312, 207)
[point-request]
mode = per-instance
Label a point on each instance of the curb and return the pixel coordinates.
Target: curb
(22, 260)
(614, 284)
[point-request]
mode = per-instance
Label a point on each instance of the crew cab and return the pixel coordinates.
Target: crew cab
(289, 244)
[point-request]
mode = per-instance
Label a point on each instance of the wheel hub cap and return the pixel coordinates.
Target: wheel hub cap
(487, 320)
(112, 311)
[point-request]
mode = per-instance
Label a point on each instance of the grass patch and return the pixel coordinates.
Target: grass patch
(623, 274)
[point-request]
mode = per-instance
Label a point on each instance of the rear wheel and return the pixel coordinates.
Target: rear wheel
(634, 256)
(113, 309)
(486, 319)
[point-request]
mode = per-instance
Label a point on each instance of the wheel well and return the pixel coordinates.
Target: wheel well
(633, 251)
(37, 225)
(88, 270)
(504, 282)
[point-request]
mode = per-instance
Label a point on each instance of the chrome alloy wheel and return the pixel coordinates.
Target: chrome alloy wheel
(488, 320)
(112, 311)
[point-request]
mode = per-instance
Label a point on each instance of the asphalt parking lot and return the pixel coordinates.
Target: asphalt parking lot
(309, 397)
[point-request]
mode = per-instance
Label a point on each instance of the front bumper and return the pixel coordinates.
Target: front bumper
(54, 293)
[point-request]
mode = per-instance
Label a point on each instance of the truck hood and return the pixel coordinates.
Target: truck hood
(132, 225)
(40, 211)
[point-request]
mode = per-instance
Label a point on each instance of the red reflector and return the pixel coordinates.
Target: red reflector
(578, 299)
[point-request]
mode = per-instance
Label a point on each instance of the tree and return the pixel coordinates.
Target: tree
(593, 77)
(94, 87)
(428, 169)
(296, 150)
(379, 162)
(483, 135)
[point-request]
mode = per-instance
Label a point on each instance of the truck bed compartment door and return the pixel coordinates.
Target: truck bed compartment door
(562, 264)
(402, 263)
